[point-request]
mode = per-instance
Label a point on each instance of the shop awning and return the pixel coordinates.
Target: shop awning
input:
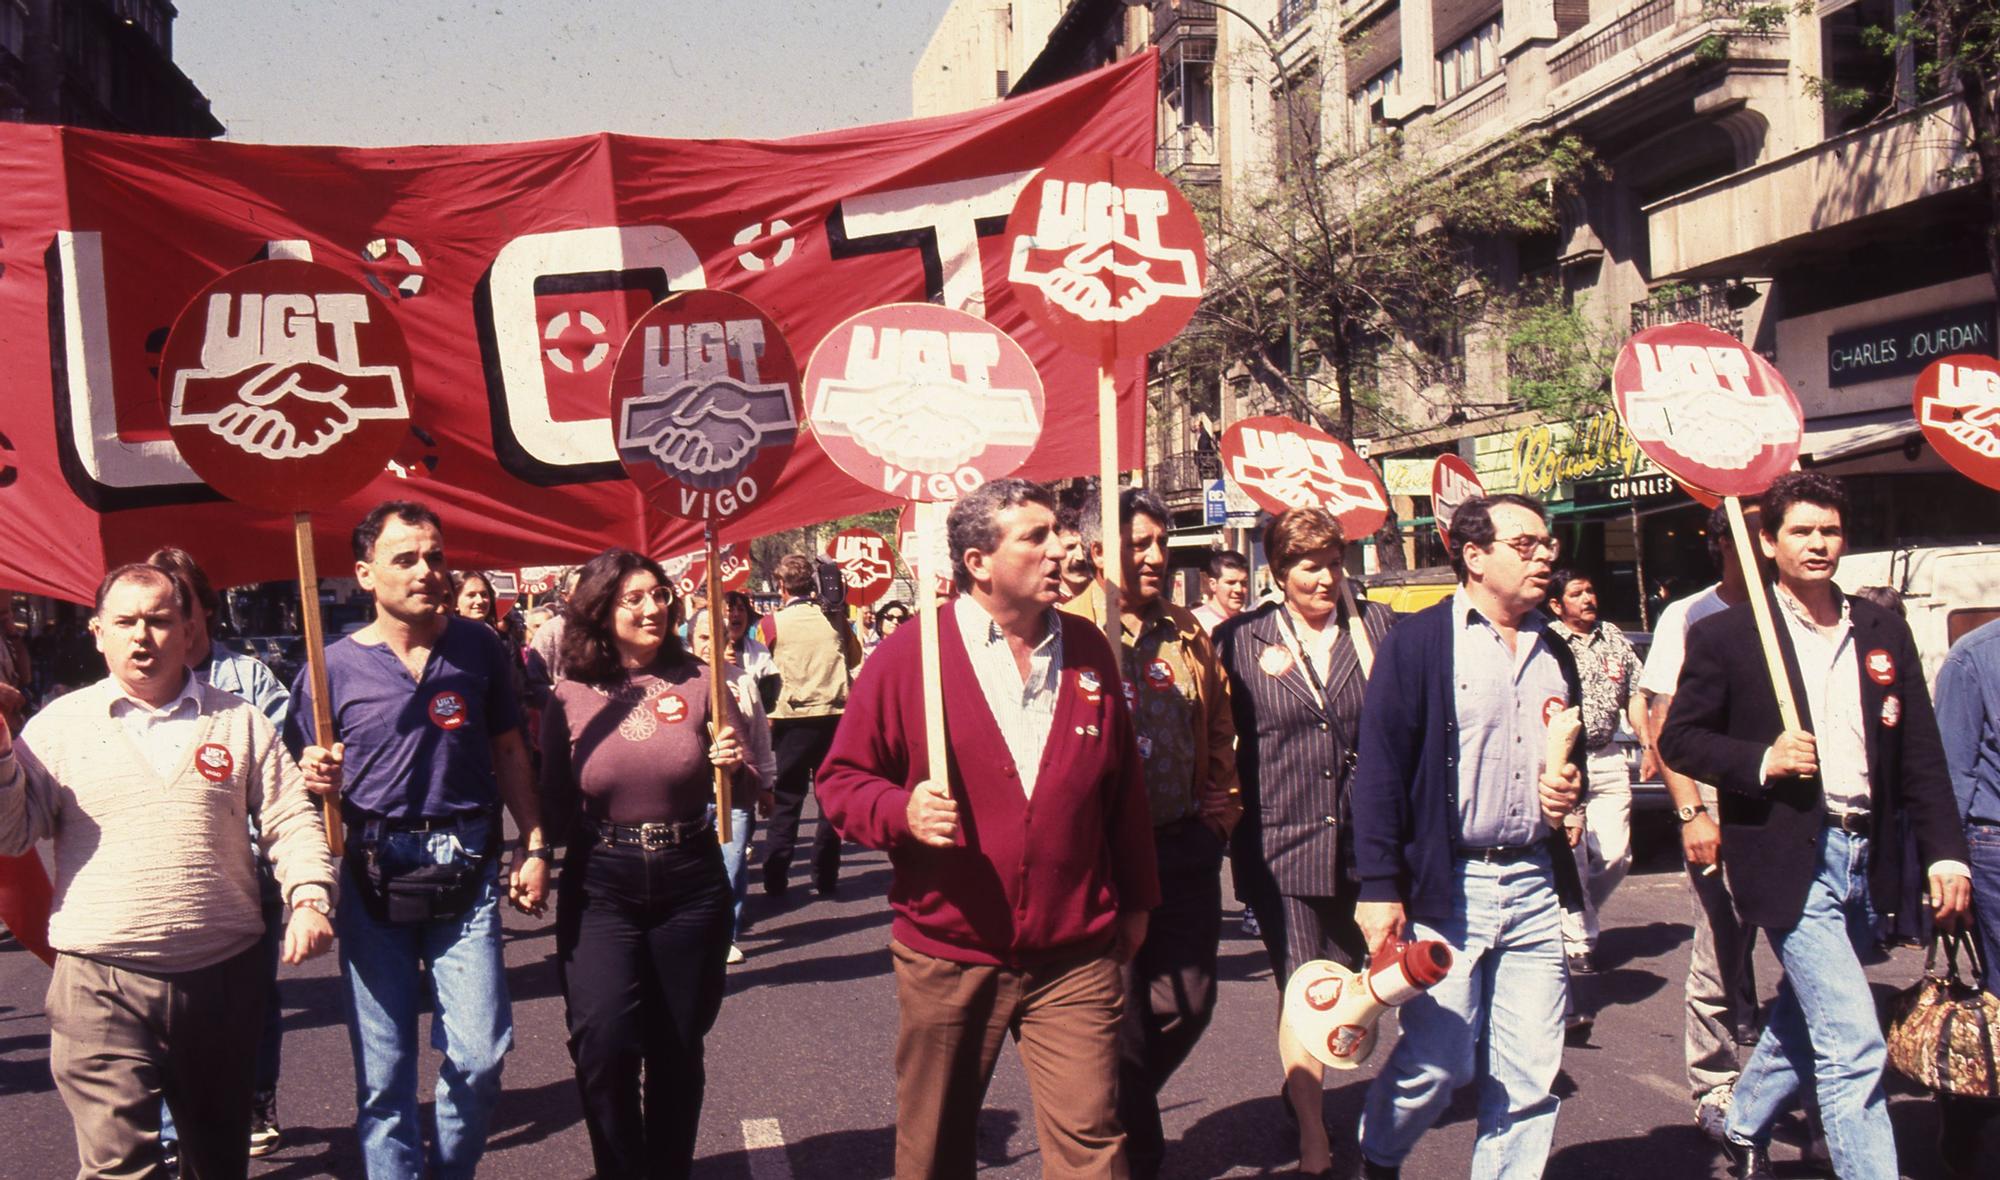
(1851, 436)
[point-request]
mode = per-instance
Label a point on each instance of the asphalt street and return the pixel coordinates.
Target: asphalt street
(800, 1082)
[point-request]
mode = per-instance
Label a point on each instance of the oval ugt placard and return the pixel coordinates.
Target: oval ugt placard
(1453, 482)
(688, 573)
(1958, 406)
(1284, 464)
(704, 404)
(286, 385)
(923, 402)
(1714, 414)
(1106, 254)
(867, 564)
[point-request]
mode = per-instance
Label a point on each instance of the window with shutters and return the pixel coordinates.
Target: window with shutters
(1466, 62)
(1374, 72)
(1370, 121)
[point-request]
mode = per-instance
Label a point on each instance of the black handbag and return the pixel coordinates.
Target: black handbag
(411, 895)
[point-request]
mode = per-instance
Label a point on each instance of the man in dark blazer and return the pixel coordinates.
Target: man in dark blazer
(1458, 837)
(1811, 816)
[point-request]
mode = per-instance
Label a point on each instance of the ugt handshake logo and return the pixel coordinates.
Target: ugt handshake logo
(862, 561)
(1966, 407)
(696, 421)
(1096, 252)
(1302, 473)
(282, 376)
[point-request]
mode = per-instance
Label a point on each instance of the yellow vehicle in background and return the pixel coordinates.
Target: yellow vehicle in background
(1408, 591)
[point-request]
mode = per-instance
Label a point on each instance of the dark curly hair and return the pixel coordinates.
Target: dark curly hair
(589, 649)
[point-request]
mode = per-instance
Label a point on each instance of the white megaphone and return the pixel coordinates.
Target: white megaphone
(1332, 1010)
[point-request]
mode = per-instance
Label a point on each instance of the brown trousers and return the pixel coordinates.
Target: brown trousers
(1064, 1016)
(120, 1040)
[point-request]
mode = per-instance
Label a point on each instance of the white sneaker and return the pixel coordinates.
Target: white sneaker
(1712, 1112)
(735, 955)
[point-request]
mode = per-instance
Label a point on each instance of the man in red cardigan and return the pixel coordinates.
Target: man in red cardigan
(1024, 880)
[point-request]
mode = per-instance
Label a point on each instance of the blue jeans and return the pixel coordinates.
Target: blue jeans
(735, 854)
(473, 1026)
(1822, 1028)
(1497, 1019)
(1984, 842)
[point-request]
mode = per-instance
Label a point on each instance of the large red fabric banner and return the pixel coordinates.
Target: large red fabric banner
(514, 271)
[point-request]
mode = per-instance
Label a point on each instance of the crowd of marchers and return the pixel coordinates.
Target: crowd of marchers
(1057, 865)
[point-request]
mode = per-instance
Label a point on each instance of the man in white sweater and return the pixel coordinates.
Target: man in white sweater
(145, 781)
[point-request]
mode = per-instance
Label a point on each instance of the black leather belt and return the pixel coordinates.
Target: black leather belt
(651, 837)
(1854, 823)
(1511, 854)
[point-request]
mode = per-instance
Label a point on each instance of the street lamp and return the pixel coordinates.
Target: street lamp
(1291, 117)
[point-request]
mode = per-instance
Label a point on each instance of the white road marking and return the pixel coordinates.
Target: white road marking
(764, 1142)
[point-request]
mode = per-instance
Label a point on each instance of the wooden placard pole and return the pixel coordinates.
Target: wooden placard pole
(929, 526)
(323, 735)
(1109, 526)
(1760, 609)
(718, 640)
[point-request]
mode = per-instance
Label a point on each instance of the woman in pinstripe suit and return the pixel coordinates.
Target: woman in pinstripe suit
(1296, 685)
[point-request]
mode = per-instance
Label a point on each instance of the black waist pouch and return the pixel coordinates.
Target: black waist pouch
(410, 895)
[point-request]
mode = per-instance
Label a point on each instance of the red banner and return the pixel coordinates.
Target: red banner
(514, 272)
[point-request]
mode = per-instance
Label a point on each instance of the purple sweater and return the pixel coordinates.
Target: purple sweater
(1031, 879)
(630, 753)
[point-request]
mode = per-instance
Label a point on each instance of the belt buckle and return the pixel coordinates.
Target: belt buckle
(653, 837)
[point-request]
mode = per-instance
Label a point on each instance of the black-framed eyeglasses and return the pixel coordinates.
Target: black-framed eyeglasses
(1529, 547)
(659, 596)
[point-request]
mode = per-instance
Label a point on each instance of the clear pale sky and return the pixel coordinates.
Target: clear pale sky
(375, 72)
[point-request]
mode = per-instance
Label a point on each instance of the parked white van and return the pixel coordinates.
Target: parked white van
(1947, 591)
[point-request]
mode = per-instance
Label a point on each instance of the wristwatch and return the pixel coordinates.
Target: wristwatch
(315, 904)
(1685, 814)
(544, 853)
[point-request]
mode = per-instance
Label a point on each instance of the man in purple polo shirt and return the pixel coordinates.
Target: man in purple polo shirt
(427, 744)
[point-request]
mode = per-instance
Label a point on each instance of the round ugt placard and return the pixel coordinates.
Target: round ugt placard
(1958, 406)
(1453, 482)
(1284, 464)
(704, 404)
(286, 385)
(1106, 255)
(1712, 413)
(923, 402)
(867, 564)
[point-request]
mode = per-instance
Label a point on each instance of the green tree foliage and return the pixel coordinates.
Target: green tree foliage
(1372, 259)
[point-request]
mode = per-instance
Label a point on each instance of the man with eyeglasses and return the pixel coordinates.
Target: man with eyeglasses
(427, 744)
(1458, 837)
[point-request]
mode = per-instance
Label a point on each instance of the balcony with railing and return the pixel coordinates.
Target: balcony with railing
(1654, 16)
(1291, 14)
(1188, 155)
(1183, 475)
(1167, 15)
(1710, 302)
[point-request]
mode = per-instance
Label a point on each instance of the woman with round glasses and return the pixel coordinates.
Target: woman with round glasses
(643, 907)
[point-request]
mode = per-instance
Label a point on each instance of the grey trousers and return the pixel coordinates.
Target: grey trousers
(121, 1040)
(1721, 987)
